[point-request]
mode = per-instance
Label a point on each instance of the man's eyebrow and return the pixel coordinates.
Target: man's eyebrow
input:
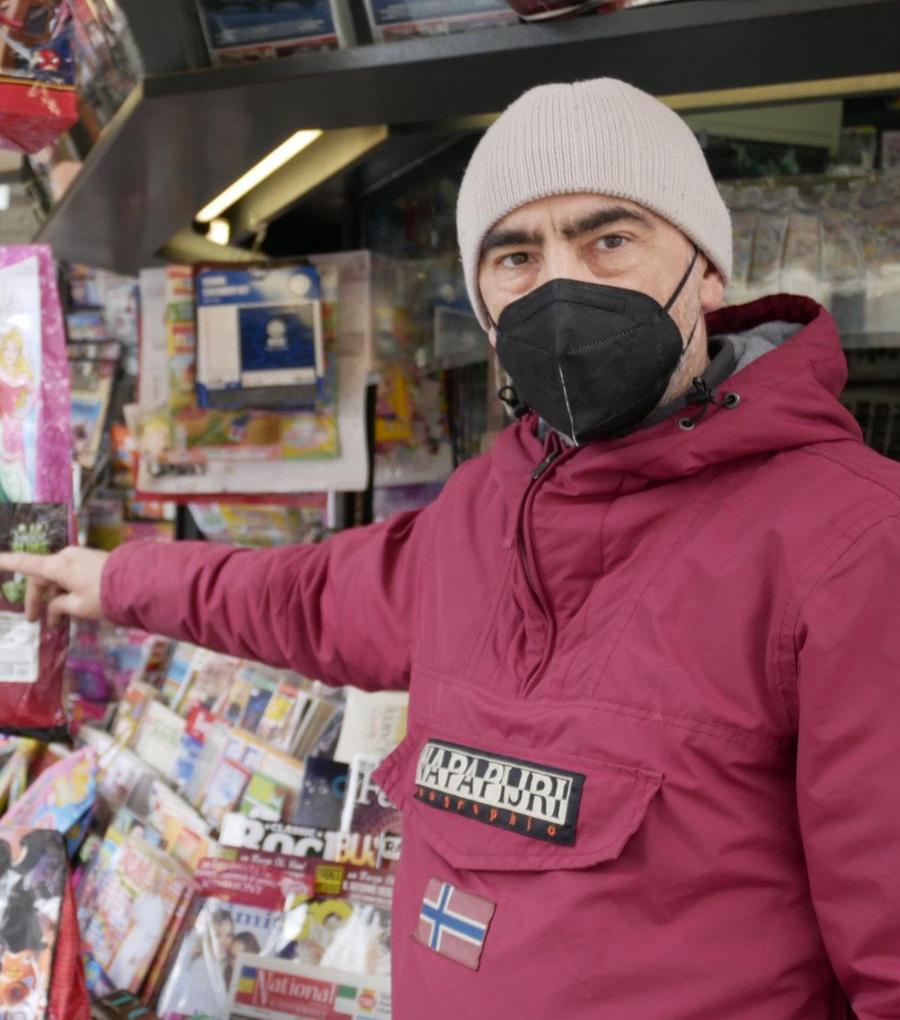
(603, 218)
(509, 238)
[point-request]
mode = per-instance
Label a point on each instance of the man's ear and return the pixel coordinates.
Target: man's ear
(712, 288)
(492, 336)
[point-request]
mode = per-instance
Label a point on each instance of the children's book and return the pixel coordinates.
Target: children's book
(32, 886)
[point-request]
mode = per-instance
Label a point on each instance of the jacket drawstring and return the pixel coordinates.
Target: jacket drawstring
(701, 393)
(516, 405)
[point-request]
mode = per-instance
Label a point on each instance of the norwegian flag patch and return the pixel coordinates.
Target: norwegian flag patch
(454, 923)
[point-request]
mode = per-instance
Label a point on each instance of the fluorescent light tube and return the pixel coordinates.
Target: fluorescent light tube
(219, 231)
(256, 174)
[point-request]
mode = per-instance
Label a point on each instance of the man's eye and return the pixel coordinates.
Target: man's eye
(611, 242)
(517, 258)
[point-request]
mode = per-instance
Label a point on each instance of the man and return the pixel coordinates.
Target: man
(650, 639)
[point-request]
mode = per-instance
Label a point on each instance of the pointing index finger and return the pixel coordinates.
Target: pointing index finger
(29, 564)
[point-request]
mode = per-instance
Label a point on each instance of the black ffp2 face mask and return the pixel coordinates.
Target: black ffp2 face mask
(593, 361)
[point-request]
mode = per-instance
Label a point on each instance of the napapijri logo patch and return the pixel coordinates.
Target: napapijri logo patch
(522, 796)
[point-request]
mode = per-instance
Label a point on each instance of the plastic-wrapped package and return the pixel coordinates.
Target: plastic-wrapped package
(842, 263)
(37, 95)
(132, 912)
(238, 908)
(35, 434)
(769, 241)
(35, 468)
(801, 270)
(743, 224)
(32, 655)
(879, 221)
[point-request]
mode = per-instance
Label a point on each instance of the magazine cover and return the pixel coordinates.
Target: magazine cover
(365, 850)
(215, 742)
(232, 706)
(178, 671)
(263, 798)
(282, 716)
(225, 790)
(132, 705)
(366, 808)
(32, 885)
(237, 908)
(259, 699)
(322, 795)
(92, 383)
(60, 797)
(211, 673)
(339, 932)
(322, 709)
(199, 721)
(133, 911)
(374, 723)
(158, 740)
(104, 862)
(264, 988)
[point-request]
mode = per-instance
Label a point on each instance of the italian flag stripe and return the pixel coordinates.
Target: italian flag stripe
(346, 998)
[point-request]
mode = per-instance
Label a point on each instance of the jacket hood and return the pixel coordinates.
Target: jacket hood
(788, 399)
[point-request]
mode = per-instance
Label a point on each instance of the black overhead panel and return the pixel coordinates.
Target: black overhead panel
(184, 136)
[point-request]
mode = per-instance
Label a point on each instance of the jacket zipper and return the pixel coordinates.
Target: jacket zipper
(529, 563)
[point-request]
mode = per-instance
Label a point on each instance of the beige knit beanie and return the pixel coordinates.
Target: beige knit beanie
(603, 137)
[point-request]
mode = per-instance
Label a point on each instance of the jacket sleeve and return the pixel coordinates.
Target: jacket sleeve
(341, 611)
(848, 765)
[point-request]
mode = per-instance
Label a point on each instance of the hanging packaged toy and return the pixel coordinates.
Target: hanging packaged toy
(32, 655)
(35, 434)
(37, 93)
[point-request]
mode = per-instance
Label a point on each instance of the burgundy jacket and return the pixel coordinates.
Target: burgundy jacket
(653, 764)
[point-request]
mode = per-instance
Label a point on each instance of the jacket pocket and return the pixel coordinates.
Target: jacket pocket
(494, 805)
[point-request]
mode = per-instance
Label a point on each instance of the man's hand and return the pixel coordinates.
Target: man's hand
(67, 582)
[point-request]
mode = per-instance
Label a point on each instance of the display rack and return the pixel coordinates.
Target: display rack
(181, 137)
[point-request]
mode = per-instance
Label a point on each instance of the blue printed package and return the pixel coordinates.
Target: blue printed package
(259, 338)
(240, 30)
